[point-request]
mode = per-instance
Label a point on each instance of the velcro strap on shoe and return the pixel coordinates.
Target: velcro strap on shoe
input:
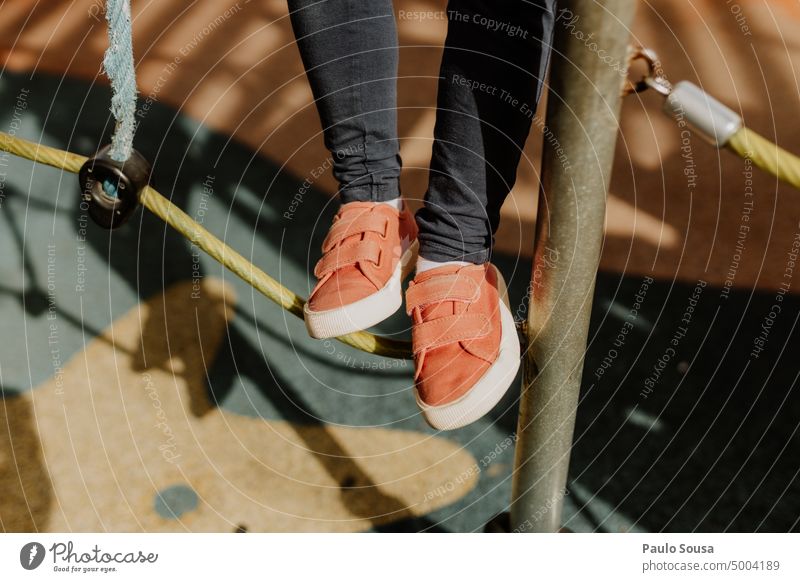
(347, 255)
(367, 222)
(448, 330)
(441, 288)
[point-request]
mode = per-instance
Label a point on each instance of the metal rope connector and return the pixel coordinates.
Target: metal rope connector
(111, 188)
(654, 79)
(685, 102)
(658, 84)
(716, 122)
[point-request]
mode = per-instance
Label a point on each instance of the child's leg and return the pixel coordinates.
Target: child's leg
(466, 349)
(492, 73)
(349, 49)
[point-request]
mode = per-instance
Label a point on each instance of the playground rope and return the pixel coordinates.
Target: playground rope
(766, 155)
(744, 142)
(118, 65)
(720, 125)
(716, 121)
(200, 236)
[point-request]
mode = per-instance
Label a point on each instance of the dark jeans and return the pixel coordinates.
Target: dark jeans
(492, 72)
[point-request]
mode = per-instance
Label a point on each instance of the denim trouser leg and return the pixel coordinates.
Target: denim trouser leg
(349, 49)
(491, 78)
(492, 73)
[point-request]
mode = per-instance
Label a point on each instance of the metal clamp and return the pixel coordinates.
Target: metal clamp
(111, 188)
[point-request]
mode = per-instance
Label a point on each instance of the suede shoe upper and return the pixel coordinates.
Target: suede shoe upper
(456, 329)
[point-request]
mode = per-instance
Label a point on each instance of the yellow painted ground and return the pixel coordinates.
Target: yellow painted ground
(95, 444)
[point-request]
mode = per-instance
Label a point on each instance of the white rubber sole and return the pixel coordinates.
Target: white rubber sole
(366, 312)
(491, 387)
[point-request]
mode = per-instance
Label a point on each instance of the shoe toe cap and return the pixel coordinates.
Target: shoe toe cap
(447, 374)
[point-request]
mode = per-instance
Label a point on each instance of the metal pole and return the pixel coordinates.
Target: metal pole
(589, 65)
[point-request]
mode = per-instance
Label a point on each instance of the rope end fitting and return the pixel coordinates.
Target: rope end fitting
(111, 188)
(716, 122)
(685, 102)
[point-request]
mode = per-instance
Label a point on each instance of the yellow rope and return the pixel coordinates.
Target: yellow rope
(197, 234)
(766, 155)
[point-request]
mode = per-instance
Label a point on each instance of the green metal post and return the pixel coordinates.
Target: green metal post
(589, 66)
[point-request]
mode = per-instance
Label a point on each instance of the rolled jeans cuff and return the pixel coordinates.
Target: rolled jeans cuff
(370, 192)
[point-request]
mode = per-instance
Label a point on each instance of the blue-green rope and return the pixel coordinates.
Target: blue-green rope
(118, 65)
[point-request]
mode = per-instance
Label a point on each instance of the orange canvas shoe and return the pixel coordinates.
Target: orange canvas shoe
(466, 349)
(369, 251)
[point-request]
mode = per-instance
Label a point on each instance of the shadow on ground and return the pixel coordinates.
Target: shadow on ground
(680, 426)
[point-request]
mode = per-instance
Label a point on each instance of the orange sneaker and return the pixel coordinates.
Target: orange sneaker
(466, 349)
(369, 251)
